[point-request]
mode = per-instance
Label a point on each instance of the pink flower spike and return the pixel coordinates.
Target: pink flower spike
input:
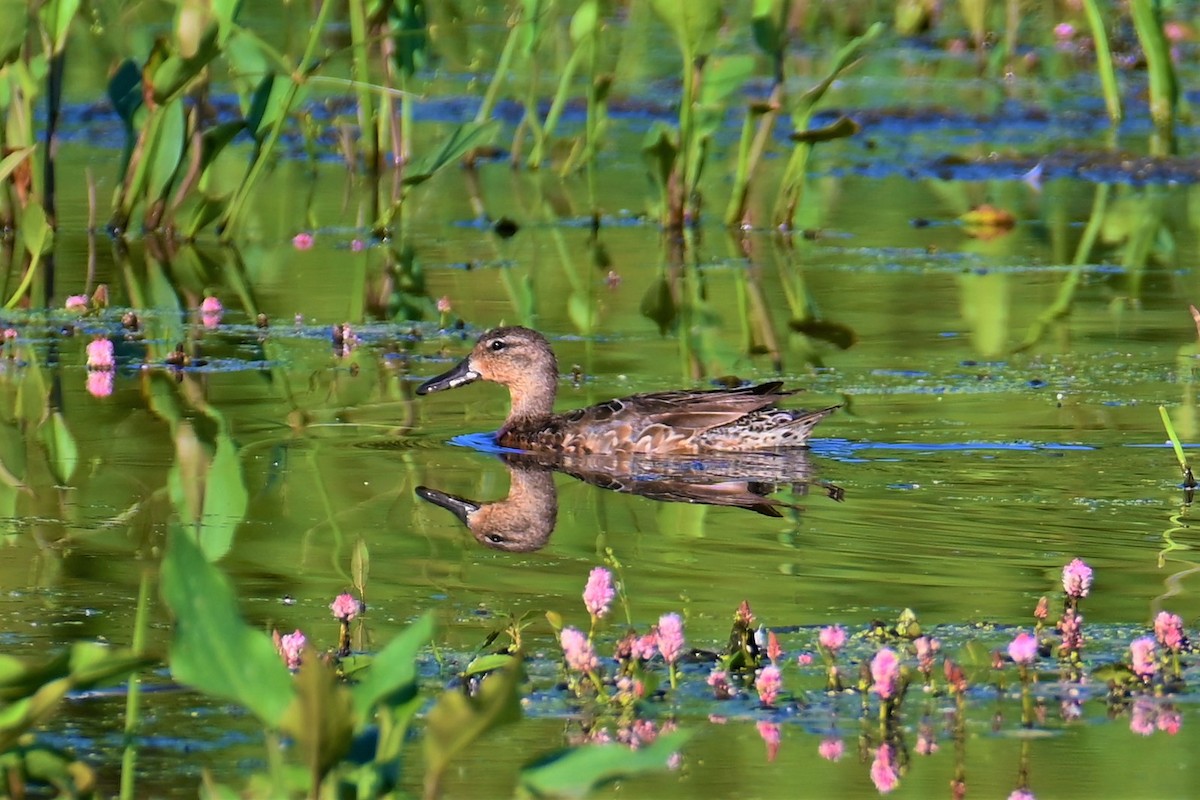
(768, 683)
(302, 241)
(1023, 648)
(443, 304)
(885, 673)
(774, 651)
(77, 303)
(290, 647)
(211, 305)
(644, 647)
(1077, 579)
(831, 749)
(345, 607)
(884, 774)
(719, 681)
(599, 592)
(100, 382)
(1168, 629)
(1021, 794)
(670, 637)
(832, 638)
(578, 650)
(1144, 651)
(804, 659)
(100, 354)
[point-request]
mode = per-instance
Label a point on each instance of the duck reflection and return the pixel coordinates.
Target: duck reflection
(524, 520)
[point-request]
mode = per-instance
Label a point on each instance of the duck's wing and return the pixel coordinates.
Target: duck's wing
(666, 421)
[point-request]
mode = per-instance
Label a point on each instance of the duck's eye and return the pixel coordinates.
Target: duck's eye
(498, 345)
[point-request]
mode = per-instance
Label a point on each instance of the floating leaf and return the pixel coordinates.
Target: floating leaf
(213, 649)
(576, 772)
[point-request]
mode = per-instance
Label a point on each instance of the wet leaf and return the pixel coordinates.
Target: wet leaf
(578, 771)
(394, 668)
(212, 649)
(457, 720)
(60, 446)
(319, 720)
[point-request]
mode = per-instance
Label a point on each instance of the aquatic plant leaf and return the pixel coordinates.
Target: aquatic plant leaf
(360, 564)
(768, 24)
(837, 334)
(461, 140)
(167, 148)
(225, 500)
(394, 668)
(660, 148)
(56, 16)
(212, 649)
(457, 720)
(268, 105)
(578, 771)
(36, 233)
(409, 21)
(16, 158)
(12, 33)
(60, 447)
(584, 22)
(177, 71)
(49, 766)
(485, 664)
(694, 23)
(845, 57)
(125, 91)
(319, 720)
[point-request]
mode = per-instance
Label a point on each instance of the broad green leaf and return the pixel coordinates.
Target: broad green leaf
(660, 147)
(12, 32)
(694, 23)
(360, 564)
(35, 230)
(214, 140)
(60, 446)
(167, 150)
(56, 16)
(268, 105)
(585, 21)
(213, 650)
(225, 500)
(460, 141)
(394, 668)
(844, 58)
(457, 720)
(125, 91)
(576, 772)
(769, 25)
(485, 664)
(319, 719)
(51, 767)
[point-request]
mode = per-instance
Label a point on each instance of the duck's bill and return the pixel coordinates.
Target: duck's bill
(458, 506)
(461, 375)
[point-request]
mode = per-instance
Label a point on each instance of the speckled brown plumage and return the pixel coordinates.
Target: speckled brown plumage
(683, 421)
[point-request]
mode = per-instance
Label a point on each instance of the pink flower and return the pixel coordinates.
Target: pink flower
(100, 382)
(443, 304)
(357, 245)
(100, 354)
(211, 305)
(744, 616)
(927, 648)
(774, 651)
(10, 334)
(719, 681)
(669, 637)
(831, 749)
(832, 638)
(77, 303)
(345, 607)
(1021, 794)
(1168, 629)
(302, 241)
(883, 769)
(1043, 608)
(771, 734)
(804, 659)
(1023, 648)
(599, 592)
(1064, 30)
(578, 650)
(1169, 721)
(1077, 579)
(885, 673)
(1143, 663)
(768, 683)
(644, 647)
(290, 647)
(1071, 628)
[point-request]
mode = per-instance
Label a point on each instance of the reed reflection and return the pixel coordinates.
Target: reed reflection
(524, 520)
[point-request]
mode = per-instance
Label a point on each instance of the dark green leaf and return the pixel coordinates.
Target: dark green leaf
(166, 150)
(320, 719)
(213, 649)
(176, 72)
(576, 772)
(394, 668)
(841, 128)
(485, 664)
(60, 446)
(12, 32)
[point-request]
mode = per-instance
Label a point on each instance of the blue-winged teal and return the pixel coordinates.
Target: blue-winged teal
(684, 421)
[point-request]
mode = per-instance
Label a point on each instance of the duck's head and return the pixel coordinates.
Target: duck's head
(518, 358)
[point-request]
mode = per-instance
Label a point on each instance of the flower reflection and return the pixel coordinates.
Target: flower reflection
(100, 382)
(884, 772)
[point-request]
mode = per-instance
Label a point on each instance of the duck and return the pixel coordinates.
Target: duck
(685, 421)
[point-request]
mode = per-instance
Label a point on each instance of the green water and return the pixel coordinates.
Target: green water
(983, 444)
